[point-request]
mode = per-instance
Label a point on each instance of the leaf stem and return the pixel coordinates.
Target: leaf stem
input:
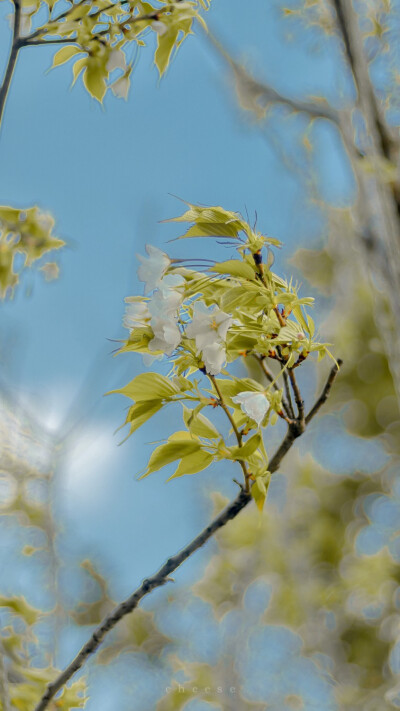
(238, 434)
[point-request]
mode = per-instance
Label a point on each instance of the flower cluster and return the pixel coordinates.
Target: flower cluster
(203, 320)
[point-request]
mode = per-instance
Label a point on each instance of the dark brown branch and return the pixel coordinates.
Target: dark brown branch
(297, 396)
(288, 395)
(12, 59)
(33, 43)
(325, 393)
(295, 429)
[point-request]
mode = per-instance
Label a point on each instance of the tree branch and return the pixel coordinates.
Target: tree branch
(295, 429)
(157, 580)
(297, 396)
(12, 59)
(325, 393)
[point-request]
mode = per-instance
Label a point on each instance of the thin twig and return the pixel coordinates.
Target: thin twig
(238, 434)
(286, 405)
(325, 393)
(27, 42)
(12, 59)
(297, 395)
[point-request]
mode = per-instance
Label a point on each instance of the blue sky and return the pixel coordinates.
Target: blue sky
(107, 175)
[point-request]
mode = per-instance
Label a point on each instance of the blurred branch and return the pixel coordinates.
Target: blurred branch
(256, 96)
(295, 429)
(4, 691)
(377, 211)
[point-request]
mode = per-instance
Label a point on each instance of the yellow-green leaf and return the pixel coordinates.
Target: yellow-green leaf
(148, 386)
(234, 267)
(94, 80)
(192, 463)
(198, 424)
(170, 452)
(64, 54)
(165, 45)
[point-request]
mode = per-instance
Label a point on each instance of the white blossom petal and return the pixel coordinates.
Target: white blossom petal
(136, 314)
(116, 60)
(214, 358)
(167, 336)
(153, 267)
(209, 325)
(253, 404)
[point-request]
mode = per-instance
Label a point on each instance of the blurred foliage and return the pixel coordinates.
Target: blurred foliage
(99, 36)
(25, 237)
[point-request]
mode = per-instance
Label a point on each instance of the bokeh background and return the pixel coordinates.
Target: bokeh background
(298, 609)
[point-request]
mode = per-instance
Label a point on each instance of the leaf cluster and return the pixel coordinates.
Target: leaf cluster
(268, 321)
(26, 235)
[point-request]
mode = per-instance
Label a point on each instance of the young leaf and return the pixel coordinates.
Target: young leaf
(198, 424)
(193, 463)
(165, 45)
(141, 412)
(235, 268)
(64, 54)
(94, 80)
(148, 386)
(170, 452)
(248, 448)
(259, 493)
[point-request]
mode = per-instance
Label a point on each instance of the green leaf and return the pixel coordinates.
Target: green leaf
(259, 493)
(193, 463)
(165, 45)
(211, 222)
(198, 424)
(141, 412)
(170, 452)
(78, 67)
(247, 449)
(94, 79)
(235, 268)
(64, 54)
(148, 386)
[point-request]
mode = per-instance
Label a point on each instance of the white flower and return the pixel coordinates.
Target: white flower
(253, 404)
(214, 358)
(166, 299)
(209, 325)
(163, 307)
(153, 267)
(159, 27)
(116, 60)
(209, 328)
(167, 335)
(136, 314)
